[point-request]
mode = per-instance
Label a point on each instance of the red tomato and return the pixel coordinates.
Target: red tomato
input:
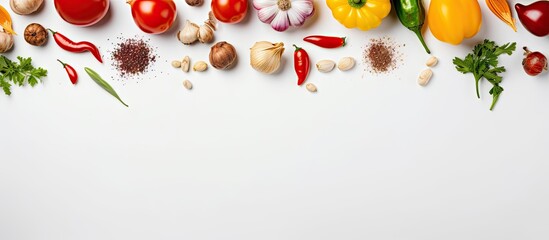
(230, 11)
(153, 16)
(82, 12)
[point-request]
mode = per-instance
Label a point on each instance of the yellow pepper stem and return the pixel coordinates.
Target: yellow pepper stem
(357, 3)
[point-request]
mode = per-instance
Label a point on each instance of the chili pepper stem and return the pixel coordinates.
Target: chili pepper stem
(297, 48)
(52, 32)
(417, 31)
(344, 41)
(64, 64)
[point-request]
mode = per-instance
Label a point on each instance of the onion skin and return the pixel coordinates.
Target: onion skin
(534, 63)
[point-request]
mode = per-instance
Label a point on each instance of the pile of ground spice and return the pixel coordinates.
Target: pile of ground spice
(382, 55)
(132, 57)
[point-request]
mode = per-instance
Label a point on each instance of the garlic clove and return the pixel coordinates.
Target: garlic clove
(281, 22)
(212, 21)
(299, 12)
(346, 64)
(176, 64)
(311, 87)
(325, 66)
(186, 64)
(189, 33)
(205, 34)
(432, 61)
(187, 84)
(424, 77)
(6, 42)
(200, 66)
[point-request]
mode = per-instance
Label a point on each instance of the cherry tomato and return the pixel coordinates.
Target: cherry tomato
(153, 16)
(230, 11)
(82, 12)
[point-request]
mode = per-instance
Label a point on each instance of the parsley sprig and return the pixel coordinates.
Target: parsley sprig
(483, 63)
(19, 73)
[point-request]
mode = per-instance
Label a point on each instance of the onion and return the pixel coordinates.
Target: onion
(534, 63)
(223, 55)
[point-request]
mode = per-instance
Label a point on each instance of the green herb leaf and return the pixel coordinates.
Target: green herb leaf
(5, 86)
(495, 92)
(19, 73)
(508, 49)
(483, 63)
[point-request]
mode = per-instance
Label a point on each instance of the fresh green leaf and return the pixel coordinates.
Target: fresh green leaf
(483, 64)
(39, 72)
(495, 92)
(32, 81)
(508, 49)
(5, 86)
(19, 73)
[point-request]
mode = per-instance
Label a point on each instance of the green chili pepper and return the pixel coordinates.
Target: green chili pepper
(412, 15)
(103, 84)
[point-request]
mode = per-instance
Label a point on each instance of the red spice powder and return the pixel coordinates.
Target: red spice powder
(382, 55)
(132, 57)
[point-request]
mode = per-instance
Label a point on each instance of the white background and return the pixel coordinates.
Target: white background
(249, 156)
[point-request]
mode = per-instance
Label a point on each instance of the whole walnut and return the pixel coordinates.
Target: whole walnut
(36, 35)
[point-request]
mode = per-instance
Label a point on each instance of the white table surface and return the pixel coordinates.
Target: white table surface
(249, 156)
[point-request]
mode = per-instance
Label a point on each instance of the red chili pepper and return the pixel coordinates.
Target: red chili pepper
(301, 64)
(326, 41)
(76, 47)
(73, 75)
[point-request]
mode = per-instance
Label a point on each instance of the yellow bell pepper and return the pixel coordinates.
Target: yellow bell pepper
(452, 21)
(364, 14)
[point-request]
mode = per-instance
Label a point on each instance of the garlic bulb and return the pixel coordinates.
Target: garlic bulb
(265, 56)
(282, 14)
(189, 34)
(192, 32)
(6, 42)
(25, 7)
